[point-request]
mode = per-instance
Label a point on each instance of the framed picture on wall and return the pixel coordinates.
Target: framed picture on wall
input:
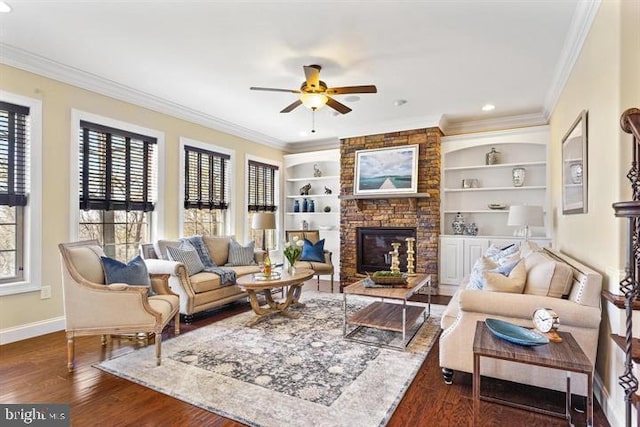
(574, 167)
(386, 170)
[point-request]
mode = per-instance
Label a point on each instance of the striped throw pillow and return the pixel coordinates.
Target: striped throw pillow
(241, 255)
(187, 255)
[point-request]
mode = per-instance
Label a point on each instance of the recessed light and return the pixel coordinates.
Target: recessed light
(399, 102)
(4, 8)
(488, 107)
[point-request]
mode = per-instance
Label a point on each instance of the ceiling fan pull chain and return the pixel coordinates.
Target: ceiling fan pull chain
(313, 120)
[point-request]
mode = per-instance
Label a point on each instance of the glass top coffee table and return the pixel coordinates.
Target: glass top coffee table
(391, 312)
(254, 284)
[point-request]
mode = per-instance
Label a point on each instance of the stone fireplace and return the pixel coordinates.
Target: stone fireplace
(374, 244)
(421, 214)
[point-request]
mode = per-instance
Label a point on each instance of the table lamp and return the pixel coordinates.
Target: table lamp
(526, 216)
(264, 221)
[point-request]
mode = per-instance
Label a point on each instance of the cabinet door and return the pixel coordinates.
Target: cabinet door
(473, 249)
(451, 261)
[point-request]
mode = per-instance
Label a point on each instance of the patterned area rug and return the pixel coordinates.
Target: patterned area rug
(285, 372)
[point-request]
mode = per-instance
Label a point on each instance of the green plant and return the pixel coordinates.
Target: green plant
(293, 250)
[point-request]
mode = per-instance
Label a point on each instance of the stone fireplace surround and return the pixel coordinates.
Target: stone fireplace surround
(373, 247)
(423, 214)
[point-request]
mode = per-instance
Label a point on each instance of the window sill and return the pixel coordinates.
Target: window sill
(18, 288)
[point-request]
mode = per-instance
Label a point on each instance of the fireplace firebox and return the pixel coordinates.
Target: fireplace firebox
(374, 245)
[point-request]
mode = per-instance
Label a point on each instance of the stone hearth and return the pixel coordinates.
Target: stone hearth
(423, 215)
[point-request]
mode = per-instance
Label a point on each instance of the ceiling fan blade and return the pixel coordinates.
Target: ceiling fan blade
(339, 107)
(271, 89)
(352, 89)
(291, 106)
(312, 73)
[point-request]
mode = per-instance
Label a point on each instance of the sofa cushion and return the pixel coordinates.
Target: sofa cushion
(313, 252)
(547, 277)
(161, 248)
(317, 267)
(241, 255)
(243, 270)
(481, 264)
(218, 247)
(513, 283)
(187, 255)
(205, 281)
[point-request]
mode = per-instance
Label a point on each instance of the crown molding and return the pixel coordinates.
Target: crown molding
(499, 123)
(318, 145)
(580, 25)
(24, 60)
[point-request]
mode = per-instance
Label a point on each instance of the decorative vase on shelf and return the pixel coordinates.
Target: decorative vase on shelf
(305, 205)
(296, 206)
(316, 171)
(492, 157)
(471, 229)
(312, 206)
(576, 172)
(327, 208)
(458, 224)
(518, 175)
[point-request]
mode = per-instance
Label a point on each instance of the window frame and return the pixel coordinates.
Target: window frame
(277, 197)
(229, 220)
(31, 244)
(157, 215)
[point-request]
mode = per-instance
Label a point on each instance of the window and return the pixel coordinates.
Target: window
(14, 156)
(206, 191)
(261, 197)
(117, 186)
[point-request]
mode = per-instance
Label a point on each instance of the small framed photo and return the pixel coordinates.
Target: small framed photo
(386, 170)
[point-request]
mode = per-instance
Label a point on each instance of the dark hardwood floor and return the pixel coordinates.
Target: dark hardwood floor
(34, 371)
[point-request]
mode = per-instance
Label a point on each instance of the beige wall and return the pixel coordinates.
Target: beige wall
(58, 99)
(604, 81)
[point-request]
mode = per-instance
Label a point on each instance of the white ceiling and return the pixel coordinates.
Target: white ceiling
(197, 59)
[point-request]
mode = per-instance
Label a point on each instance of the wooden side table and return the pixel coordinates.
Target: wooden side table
(565, 356)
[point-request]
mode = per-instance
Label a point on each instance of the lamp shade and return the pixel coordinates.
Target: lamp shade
(264, 221)
(522, 216)
(313, 101)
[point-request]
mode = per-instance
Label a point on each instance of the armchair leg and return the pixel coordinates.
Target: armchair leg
(447, 375)
(331, 282)
(70, 351)
(158, 347)
(176, 323)
(318, 281)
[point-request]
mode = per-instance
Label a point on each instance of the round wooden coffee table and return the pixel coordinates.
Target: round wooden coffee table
(253, 285)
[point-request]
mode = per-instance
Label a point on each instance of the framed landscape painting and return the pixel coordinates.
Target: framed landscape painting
(386, 170)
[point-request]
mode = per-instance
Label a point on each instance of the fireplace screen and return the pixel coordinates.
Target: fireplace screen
(374, 245)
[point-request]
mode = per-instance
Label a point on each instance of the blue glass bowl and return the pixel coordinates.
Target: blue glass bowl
(514, 333)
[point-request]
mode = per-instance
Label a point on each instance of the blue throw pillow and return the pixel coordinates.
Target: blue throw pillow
(133, 273)
(312, 252)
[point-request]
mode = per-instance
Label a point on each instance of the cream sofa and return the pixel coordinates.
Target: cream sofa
(201, 291)
(579, 311)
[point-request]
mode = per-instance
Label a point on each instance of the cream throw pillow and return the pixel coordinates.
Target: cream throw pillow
(514, 283)
(547, 277)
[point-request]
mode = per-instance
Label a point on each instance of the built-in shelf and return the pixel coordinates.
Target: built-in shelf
(313, 213)
(482, 211)
(310, 196)
(498, 166)
(313, 178)
(527, 187)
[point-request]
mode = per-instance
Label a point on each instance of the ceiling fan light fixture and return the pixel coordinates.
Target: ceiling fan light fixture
(313, 101)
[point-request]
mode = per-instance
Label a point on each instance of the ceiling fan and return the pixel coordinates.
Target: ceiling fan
(314, 93)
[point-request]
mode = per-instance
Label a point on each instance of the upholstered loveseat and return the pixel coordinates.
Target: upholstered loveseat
(203, 290)
(576, 300)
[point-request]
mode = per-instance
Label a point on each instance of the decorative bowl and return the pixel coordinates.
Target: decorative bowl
(514, 333)
(496, 206)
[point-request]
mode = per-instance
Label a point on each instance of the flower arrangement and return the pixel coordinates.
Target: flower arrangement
(293, 250)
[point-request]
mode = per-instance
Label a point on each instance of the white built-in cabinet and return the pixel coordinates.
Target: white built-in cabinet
(301, 169)
(464, 158)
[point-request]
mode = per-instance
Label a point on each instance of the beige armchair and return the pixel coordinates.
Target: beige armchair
(93, 308)
(319, 268)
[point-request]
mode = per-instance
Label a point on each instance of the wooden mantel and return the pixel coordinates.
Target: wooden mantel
(412, 197)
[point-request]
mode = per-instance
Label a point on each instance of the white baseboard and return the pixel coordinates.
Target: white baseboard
(31, 330)
(603, 398)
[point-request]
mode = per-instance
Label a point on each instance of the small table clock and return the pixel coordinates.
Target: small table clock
(547, 321)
